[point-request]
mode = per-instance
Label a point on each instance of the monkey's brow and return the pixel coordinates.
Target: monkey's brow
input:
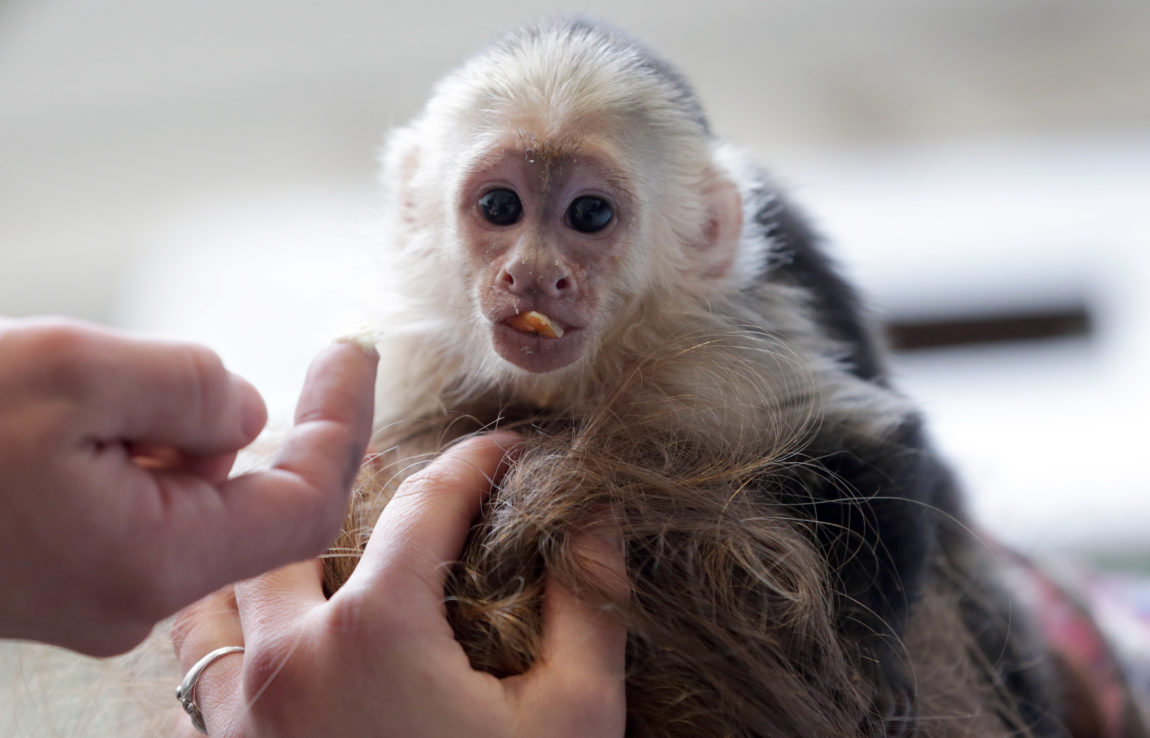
(615, 176)
(618, 181)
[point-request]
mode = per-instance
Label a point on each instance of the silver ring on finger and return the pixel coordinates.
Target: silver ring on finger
(186, 692)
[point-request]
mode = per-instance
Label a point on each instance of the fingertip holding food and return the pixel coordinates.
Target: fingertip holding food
(363, 338)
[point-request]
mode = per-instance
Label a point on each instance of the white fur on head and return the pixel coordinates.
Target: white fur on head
(569, 79)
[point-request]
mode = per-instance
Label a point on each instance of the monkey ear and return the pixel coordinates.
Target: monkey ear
(406, 164)
(399, 161)
(724, 226)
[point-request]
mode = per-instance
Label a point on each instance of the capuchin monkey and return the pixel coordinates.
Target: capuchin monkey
(573, 254)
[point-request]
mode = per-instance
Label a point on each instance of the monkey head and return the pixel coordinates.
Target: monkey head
(560, 178)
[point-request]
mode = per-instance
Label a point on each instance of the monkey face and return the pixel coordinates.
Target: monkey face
(544, 226)
(544, 212)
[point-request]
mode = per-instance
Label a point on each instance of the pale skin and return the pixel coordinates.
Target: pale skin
(379, 658)
(115, 505)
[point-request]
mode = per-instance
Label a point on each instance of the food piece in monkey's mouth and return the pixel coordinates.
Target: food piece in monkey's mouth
(537, 323)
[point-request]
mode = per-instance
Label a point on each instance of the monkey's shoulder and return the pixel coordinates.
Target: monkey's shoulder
(795, 255)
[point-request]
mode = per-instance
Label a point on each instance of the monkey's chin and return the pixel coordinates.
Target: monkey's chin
(534, 353)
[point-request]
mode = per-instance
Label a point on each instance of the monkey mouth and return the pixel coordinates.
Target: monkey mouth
(537, 342)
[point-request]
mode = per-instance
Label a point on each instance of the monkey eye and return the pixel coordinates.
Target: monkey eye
(589, 214)
(501, 207)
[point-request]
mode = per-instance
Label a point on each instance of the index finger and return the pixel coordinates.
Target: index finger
(296, 507)
(265, 519)
(577, 687)
(139, 389)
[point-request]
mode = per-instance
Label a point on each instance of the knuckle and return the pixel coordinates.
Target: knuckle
(184, 628)
(58, 338)
(64, 351)
(345, 621)
(207, 365)
(272, 667)
(192, 627)
(322, 414)
(355, 619)
(458, 469)
(427, 481)
(262, 667)
(207, 376)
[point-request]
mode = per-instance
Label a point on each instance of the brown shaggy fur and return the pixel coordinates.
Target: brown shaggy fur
(732, 617)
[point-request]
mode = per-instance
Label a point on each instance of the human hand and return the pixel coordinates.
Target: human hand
(380, 659)
(115, 507)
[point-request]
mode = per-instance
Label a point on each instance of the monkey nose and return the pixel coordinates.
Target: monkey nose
(525, 280)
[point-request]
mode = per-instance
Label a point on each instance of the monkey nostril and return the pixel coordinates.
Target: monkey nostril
(563, 284)
(507, 279)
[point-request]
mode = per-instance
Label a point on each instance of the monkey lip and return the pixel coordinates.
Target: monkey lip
(537, 347)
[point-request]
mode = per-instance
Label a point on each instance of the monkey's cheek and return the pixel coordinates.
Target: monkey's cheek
(534, 353)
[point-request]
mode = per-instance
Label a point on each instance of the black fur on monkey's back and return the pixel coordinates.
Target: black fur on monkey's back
(798, 559)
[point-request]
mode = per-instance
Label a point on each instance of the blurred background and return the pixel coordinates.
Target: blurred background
(205, 170)
(982, 168)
